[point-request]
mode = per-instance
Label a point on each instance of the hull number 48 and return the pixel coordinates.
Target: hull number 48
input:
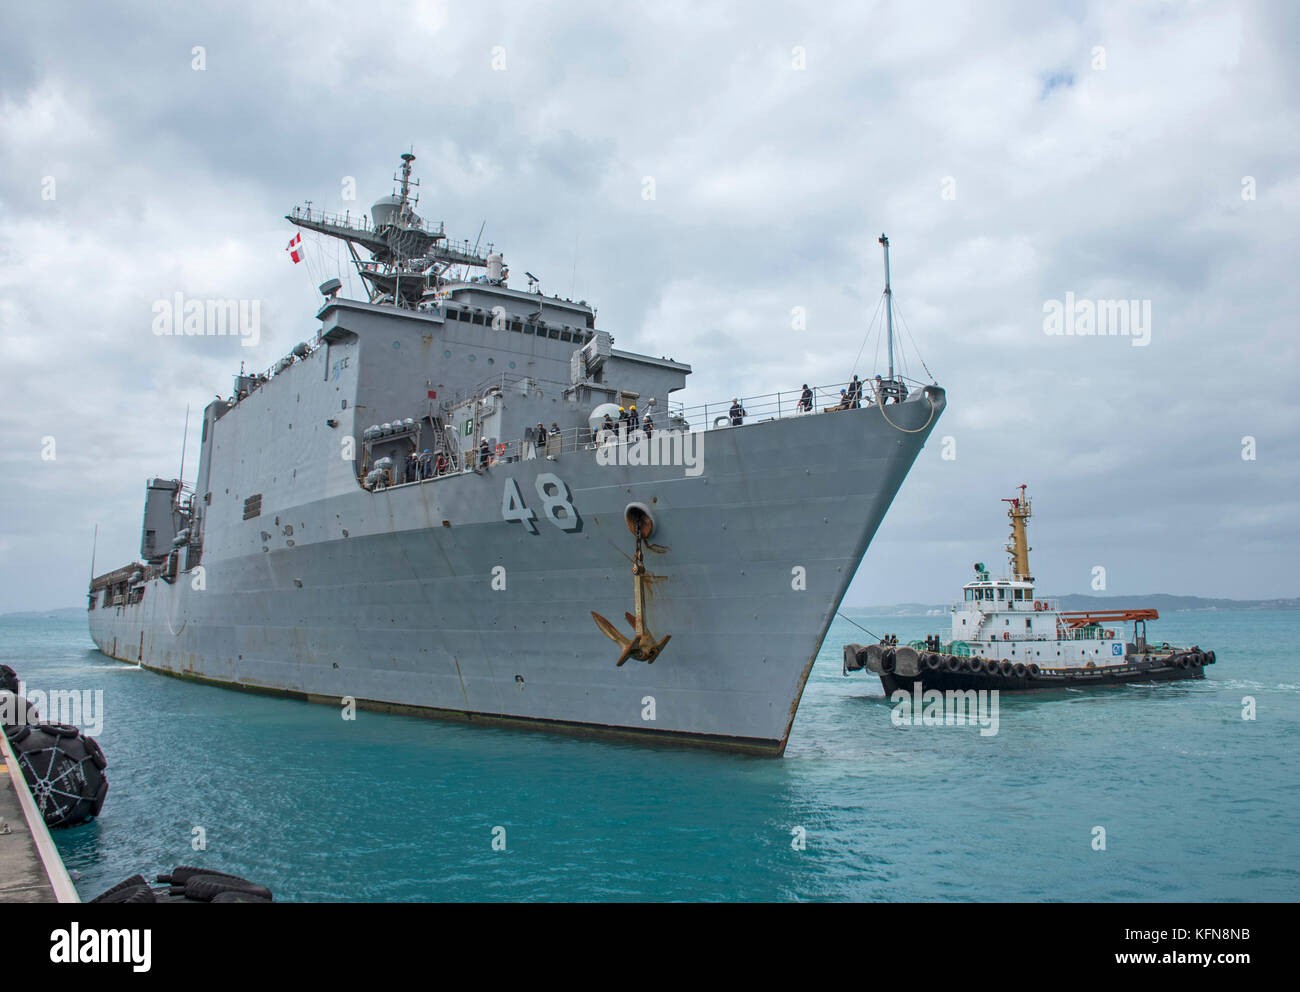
(557, 504)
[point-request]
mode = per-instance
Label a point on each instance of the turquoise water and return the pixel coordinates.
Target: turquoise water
(1197, 803)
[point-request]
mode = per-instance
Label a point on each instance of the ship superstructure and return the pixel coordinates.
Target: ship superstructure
(424, 508)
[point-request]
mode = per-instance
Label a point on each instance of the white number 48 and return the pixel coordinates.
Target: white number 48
(557, 504)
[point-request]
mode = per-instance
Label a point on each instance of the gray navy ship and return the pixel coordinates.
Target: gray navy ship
(459, 499)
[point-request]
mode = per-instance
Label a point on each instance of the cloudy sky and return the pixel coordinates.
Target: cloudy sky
(1013, 152)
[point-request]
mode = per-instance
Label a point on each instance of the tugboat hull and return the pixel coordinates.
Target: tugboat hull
(1168, 670)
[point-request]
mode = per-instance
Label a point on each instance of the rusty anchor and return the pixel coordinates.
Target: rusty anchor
(642, 644)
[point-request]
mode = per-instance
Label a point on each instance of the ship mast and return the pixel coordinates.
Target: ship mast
(889, 307)
(1019, 511)
(407, 206)
(408, 255)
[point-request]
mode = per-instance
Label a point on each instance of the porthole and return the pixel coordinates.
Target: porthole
(471, 358)
(446, 354)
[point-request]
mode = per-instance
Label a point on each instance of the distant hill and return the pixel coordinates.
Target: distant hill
(64, 613)
(1160, 601)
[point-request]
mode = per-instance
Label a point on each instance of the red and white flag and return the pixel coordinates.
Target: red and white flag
(295, 248)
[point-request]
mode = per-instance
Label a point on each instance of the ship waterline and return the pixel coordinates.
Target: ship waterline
(423, 598)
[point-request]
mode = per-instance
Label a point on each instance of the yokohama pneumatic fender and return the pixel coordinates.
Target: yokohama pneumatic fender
(64, 772)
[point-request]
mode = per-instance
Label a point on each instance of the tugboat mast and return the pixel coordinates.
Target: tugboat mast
(1019, 511)
(889, 307)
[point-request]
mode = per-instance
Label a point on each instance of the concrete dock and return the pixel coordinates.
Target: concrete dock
(30, 867)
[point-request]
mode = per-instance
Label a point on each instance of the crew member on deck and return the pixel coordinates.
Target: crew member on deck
(737, 413)
(484, 452)
(806, 400)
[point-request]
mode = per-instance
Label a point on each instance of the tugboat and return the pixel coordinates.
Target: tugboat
(1004, 638)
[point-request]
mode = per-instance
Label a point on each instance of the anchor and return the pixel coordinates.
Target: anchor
(642, 644)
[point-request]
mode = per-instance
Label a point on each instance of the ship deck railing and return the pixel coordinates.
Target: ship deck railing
(763, 408)
(361, 223)
(1009, 605)
(791, 403)
(1063, 635)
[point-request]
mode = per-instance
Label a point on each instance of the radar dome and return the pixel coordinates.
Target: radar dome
(385, 210)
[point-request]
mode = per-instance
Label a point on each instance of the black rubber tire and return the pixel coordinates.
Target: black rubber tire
(183, 873)
(96, 753)
(933, 661)
(64, 780)
(1209, 658)
(1020, 670)
(204, 887)
(120, 889)
(1033, 669)
(18, 709)
(1005, 669)
(18, 733)
(240, 897)
(887, 663)
(952, 663)
(8, 679)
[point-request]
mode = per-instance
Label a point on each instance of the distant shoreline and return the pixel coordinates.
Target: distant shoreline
(1163, 602)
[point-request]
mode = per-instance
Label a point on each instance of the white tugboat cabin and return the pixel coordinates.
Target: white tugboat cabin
(1004, 619)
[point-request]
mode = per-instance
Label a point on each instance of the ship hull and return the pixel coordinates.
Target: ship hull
(425, 599)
